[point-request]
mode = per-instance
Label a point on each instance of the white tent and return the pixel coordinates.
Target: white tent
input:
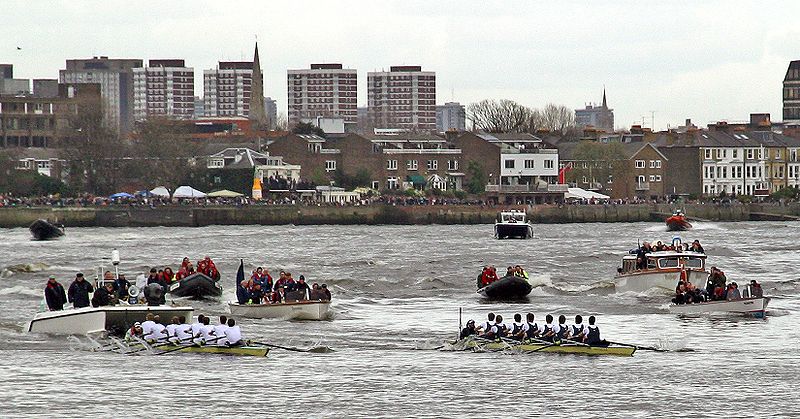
(580, 193)
(160, 191)
(188, 192)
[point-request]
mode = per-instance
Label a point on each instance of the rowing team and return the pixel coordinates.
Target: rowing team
(226, 333)
(495, 329)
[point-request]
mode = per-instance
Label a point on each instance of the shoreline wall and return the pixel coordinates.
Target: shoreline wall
(380, 214)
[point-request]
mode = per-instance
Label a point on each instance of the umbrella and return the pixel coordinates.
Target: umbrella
(188, 192)
(119, 195)
(160, 191)
(224, 194)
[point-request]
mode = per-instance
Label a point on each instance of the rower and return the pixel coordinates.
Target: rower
(207, 332)
(219, 330)
(233, 334)
(469, 330)
(196, 327)
(549, 330)
(532, 329)
(147, 325)
(578, 331)
(183, 333)
(563, 330)
(159, 332)
(518, 328)
(171, 329)
(487, 325)
(134, 333)
(500, 329)
(593, 334)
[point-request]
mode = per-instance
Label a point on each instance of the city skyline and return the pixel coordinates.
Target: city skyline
(679, 60)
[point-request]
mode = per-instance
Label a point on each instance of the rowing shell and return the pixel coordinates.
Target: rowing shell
(233, 350)
(566, 348)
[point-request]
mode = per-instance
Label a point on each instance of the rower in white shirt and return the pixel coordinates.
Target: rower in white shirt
(159, 331)
(549, 330)
(233, 334)
(486, 326)
(183, 333)
(174, 323)
(532, 329)
(518, 328)
(196, 327)
(147, 325)
(499, 330)
(578, 331)
(207, 333)
(219, 330)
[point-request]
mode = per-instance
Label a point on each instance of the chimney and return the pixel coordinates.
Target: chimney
(688, 122)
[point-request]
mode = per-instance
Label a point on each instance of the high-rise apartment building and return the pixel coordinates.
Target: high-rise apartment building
(115, 77)
(326, 90)
(600, 117)
(791, 94)
(11, 86)
(451, 117)
(271, 107)
(402, 98)
(227, 89)
(165, 88)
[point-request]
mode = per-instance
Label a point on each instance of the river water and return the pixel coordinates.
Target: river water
(397, 291)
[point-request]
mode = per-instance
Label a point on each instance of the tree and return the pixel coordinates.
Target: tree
(308, 128)
(92, 150)
(499, 116)
(476, 178)
(362, 177)
(160, 154)
(282, 123)
(557, 118)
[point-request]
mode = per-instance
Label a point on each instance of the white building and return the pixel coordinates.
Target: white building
(163, 88)
(324, 90)
(451, 117)
(227, 89)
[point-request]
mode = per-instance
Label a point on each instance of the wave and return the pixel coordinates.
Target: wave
(23, 268)
(21, 290)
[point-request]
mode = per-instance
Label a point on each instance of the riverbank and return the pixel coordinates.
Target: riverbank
(180, 216)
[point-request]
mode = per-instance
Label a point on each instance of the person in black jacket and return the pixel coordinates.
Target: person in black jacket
(54, 295)
(104, 296)
(79, 292)
(154, 278)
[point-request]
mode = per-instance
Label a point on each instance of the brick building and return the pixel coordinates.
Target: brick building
(324, 90)
(227, 89)
(165, 88)
(403, 97)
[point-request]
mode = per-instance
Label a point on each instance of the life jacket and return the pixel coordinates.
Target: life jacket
(562, 332)
(594, 335)
(487, 326)
(533, 328)
(577, 329)
(515, 329)
(502, 330)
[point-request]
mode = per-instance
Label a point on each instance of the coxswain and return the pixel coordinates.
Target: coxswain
(487, 325)
(532, 330)
(233, 334)
(578, 331)
(219, 329)
(469, 330)
(593, 334)
(549, 330)
(79, 291)
(147, 324)
(135, 332)
(183, 333)
(54, 294)
(197, 329)
(518, 328)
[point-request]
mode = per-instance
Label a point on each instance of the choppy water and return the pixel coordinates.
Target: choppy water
(397, 290)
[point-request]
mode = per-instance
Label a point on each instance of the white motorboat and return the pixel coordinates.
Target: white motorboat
(663, 270)
(512, 224)
(297, 310)
(114, 319)
(755, 306)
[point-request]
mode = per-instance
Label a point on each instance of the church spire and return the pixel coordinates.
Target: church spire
(257, 112)
(605, 105)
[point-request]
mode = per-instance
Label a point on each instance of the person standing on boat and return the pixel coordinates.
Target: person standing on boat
(54, 294)
(755, 289)
(327, 292)
(104, 296)
(121, 287)
(302, 287)
(157, 279)
(697, 247)
(79, 291)
(593, 335)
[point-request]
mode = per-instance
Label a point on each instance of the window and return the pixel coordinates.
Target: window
(411, 165)
(658, 164)
(652, 178)
(330, 165)
(24, 164)
(708, 154)
(433, 164)
(391, 164)
(217, 179)
(43, 164)
(548, 164)
(658, 178)
(216, 163)
(509, 164)
(452, 165)
(585, 179)
(640, 179)
(750, 154)
(392, 183)
(530, 164)
(652, 164)
(734, 153)
(376, 185)
(777, 154)
(640, 164)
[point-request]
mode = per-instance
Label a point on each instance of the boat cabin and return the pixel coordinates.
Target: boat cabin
(511, 217)
(668, 260)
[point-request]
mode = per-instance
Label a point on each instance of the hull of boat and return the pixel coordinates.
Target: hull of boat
(45, 230)
(114, 319)
(755, 307)
(260, 351)
(507, 288)
(197, 286)
(513, 231)
(300, 310)
(678, 224)
(558, 349)
(642, 281)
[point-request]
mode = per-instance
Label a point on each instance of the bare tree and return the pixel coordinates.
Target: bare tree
(557, 118)
(499, 116)
(282, 124)
(160, 152)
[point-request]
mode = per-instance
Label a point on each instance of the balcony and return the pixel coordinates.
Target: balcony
(557, 188)
(643, 186)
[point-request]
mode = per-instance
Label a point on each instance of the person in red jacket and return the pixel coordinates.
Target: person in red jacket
(488, 276)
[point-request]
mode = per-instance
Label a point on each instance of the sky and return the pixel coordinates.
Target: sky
(660, 62)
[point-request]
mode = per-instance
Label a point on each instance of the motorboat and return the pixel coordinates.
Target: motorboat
(507, 288)
(295, 310)
(678, 222)
(753, 306)
(42, 229)
(196, 285)
(512, 224)
(113, 319)
(662, 270)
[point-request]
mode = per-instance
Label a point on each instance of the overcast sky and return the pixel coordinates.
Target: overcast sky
(706, 60)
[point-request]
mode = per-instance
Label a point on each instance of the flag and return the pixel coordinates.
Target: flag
(241, 293)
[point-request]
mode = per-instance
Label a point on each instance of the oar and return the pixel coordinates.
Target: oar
(188, 346)
(575, 342)
(646, 348)
(316, 349)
